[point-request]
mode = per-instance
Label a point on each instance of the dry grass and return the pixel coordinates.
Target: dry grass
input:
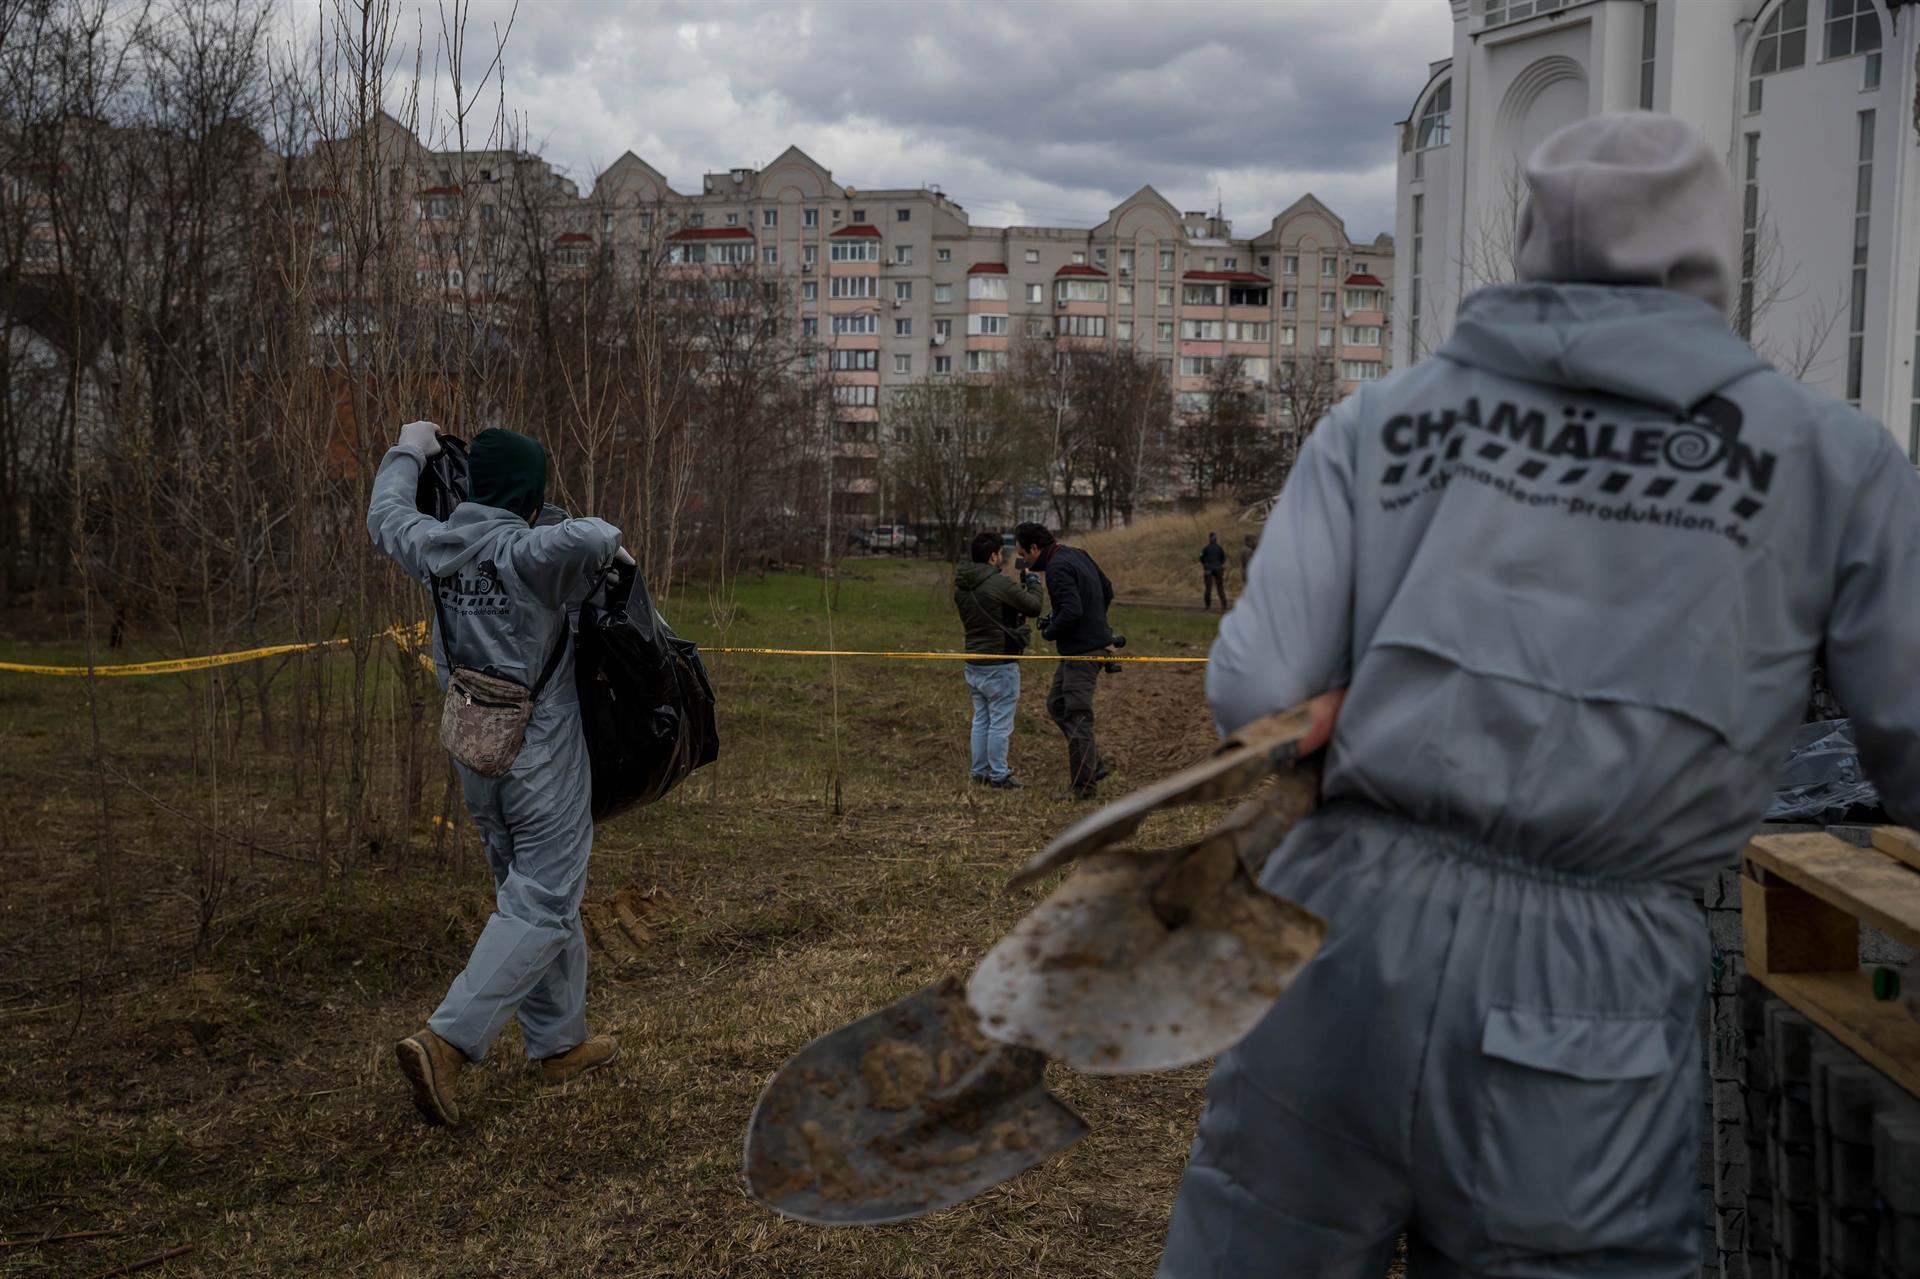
(246, 1102)
(1157, 559)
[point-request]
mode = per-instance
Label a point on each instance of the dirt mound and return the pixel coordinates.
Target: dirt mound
(621, 926)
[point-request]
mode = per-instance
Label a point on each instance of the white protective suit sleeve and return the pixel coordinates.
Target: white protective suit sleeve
(395, 524)
(1289, 638)
(1873, 626)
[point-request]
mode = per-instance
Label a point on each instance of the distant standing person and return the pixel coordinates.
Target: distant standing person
(1078, 594)
(1213, 564)
(994, 608)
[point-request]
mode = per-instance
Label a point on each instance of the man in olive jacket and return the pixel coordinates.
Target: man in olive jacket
(993, 608)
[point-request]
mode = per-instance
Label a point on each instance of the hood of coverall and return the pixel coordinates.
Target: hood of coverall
(1630, 198)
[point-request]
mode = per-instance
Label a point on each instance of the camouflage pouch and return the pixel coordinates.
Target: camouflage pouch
(483, 721)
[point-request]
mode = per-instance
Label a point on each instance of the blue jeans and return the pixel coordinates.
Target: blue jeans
(996, 691)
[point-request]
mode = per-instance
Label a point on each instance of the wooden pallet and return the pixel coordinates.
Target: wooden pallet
(1802, 901)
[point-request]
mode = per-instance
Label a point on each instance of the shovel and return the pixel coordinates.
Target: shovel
(1149, 961)
(908, 1110)
(1139, 962)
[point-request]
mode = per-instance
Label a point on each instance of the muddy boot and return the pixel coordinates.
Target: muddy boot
(594, 1053)
(432, 1065)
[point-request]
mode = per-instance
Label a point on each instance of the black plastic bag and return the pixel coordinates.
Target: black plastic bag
(646, 704)
(1822, 780)
(443, 480)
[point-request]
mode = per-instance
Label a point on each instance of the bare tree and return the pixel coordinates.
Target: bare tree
(956, 450)
(1224, 444)
(1305, 388)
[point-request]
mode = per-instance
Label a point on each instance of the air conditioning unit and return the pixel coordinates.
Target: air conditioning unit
(898, 303)
(938, 339)
(1126, 271)
(1060, 305)
(806, 268)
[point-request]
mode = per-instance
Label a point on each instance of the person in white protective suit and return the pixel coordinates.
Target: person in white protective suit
(1575, 572)
(507, 569)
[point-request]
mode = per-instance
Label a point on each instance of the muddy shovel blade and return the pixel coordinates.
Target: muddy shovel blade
(1252, 755)
(1149, 961)
(906, 1111)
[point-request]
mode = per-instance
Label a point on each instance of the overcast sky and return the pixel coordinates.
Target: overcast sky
(1028, 111)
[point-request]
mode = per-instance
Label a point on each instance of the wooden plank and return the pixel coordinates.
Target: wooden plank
(1898, 842)
(1861, 881)
(1787, 929)
(1884, 1034)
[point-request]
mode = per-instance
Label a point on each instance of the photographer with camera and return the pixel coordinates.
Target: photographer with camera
(1078, 593)
(994, 609)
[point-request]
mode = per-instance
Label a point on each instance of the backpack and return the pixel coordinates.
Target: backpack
(646, 704)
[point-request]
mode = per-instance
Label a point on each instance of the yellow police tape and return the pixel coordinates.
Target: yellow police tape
(406, 636)
(949, 657)
(417, 633)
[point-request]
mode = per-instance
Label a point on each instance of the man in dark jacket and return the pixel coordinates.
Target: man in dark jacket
(994, 608)
(1213, 564)
(1079, 594)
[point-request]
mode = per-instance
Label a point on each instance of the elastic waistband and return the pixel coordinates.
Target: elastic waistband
(1354, 813)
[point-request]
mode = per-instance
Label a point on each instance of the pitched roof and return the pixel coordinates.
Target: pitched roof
(858, 229)
(1080, 268)
(987, 268)
(712, 233)
(1365, 281)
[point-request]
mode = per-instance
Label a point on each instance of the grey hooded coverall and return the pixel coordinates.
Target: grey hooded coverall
(1574, 573)
(506, 590)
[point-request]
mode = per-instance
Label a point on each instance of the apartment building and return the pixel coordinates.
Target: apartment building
(1815, 105)
(899, 284)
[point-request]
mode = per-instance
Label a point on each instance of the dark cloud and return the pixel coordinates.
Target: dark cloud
(1035, 110)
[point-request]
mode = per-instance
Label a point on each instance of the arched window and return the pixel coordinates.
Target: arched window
(1782, 47)
(1852, 27)
(1436, 122)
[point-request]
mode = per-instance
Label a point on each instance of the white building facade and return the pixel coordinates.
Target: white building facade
(1814, 103)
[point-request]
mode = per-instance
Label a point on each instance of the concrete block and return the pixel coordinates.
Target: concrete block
(1850, 1244)
(1759, 1239)
(1790, 1037)
(1849, 1185)
(1793, 1117)
(1896, 1172)
(1905, 1261)
(1853, 1094)
(1794, 1178)
(1796, 1234)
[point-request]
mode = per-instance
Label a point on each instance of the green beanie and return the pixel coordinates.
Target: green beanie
(507, 470)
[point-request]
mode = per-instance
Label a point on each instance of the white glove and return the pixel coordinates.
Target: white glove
(424, 436)
(620, 556)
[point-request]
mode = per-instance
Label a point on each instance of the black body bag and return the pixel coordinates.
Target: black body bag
(443, 480)
(645, 701)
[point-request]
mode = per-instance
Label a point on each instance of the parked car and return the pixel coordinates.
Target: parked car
(897, 538)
